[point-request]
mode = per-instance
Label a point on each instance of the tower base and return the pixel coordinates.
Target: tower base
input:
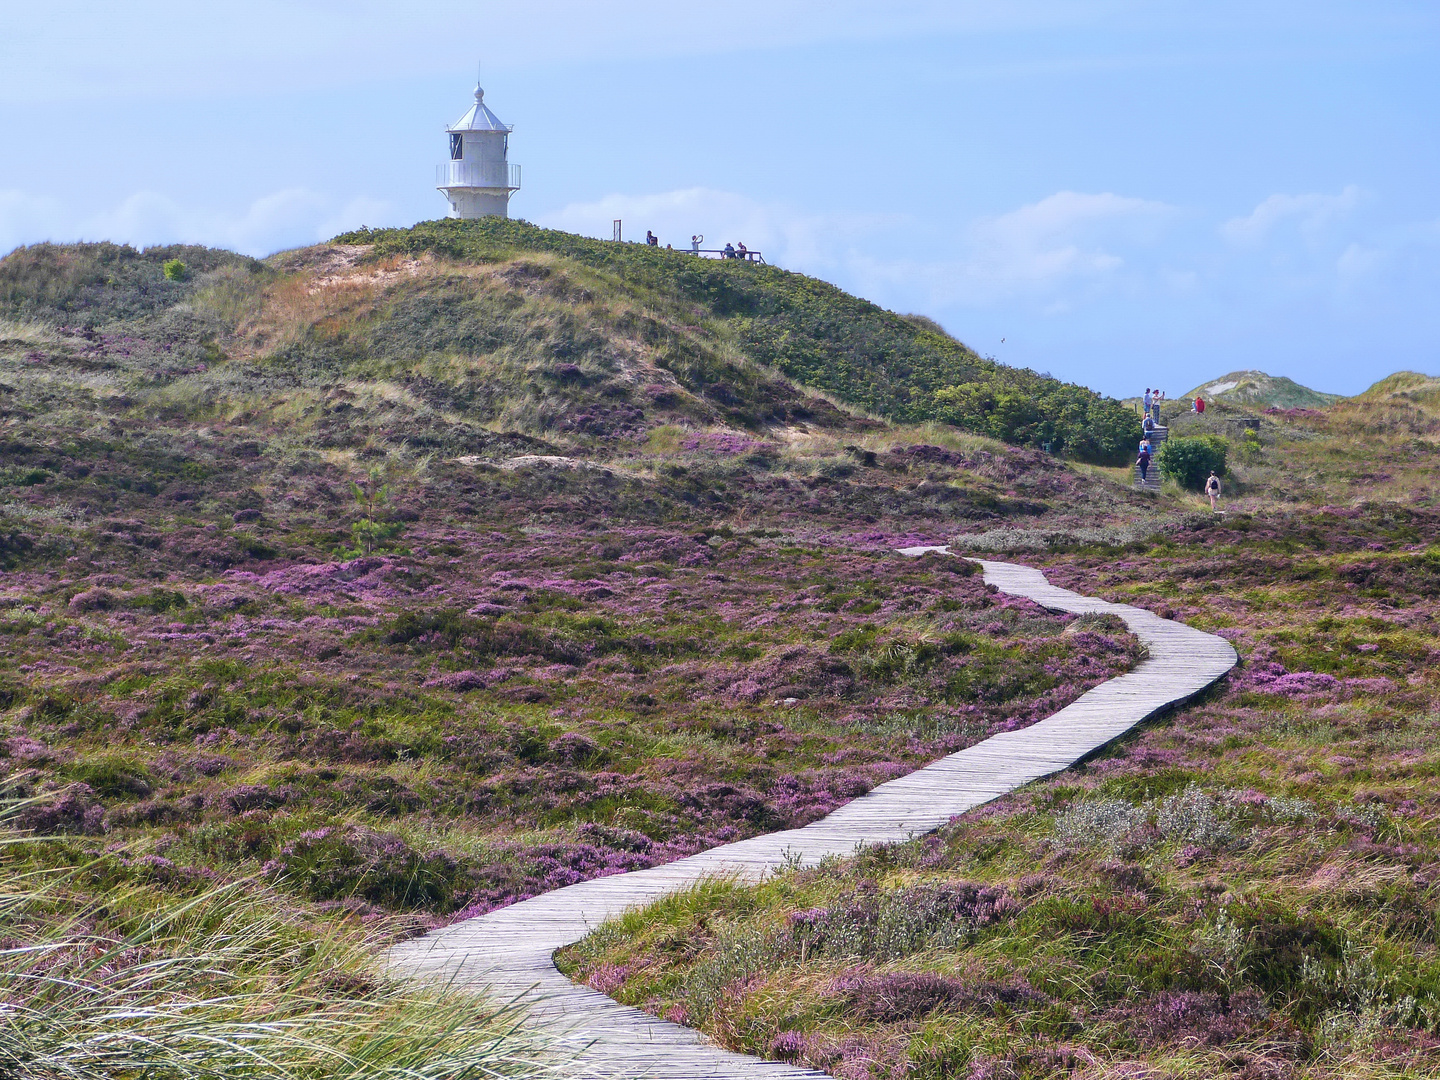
(477, 203)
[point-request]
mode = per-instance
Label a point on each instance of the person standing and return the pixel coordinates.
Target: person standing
(1145, 411)
(1144, 462)
(651, 239)
(695, 241)
(1212, 488)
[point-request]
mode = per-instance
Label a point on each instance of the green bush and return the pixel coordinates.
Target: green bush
(1189, 461)
(174, 270)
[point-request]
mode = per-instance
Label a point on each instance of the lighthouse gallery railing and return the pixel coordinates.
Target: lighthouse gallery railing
(481, 174)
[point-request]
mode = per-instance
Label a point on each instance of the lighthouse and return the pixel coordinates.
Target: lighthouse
(478, 178)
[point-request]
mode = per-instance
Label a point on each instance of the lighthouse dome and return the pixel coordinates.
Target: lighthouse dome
(479, 117)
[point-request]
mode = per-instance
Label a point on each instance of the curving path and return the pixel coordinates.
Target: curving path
(508, 952)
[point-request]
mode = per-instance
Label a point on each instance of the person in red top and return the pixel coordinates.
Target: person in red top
(1199, 405)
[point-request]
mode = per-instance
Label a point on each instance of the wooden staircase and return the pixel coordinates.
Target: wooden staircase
(1152, 481)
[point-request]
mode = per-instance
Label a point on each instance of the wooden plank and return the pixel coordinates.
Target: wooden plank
(506, 954)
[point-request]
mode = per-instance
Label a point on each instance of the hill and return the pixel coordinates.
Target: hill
(1407, 386)
(1256, 390)
(904, 369)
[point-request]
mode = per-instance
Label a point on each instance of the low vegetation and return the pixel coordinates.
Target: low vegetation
(381, 583)
(192, 980)
(1245, 890)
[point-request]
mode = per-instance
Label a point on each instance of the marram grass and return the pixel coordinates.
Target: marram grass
(224, 984)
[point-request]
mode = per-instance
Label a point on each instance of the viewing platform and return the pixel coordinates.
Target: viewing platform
(719, 253)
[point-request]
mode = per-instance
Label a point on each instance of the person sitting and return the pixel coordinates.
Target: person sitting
(1200, 405)
(729, 251)
(741, 251)
(651, 240)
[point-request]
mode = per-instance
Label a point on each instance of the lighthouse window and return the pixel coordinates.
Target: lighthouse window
(457, 147)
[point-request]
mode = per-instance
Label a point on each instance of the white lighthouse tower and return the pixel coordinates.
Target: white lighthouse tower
(478, 178)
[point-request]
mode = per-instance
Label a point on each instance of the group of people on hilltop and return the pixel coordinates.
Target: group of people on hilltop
(1152, 401)
(731, 251)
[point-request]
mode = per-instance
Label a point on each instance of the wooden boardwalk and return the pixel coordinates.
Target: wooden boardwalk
(507, 953)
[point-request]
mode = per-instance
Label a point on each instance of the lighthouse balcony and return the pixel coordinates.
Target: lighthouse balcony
(477, 174)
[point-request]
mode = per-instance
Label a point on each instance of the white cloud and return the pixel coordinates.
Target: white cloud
(1358, 262)
(1064, 236)
(1055, 250)
(288, 218)
(1312, 212)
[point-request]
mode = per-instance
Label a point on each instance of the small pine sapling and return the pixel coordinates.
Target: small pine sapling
(372, 532)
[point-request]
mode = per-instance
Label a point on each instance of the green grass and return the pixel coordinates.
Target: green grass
(811, 331)
(108, 980)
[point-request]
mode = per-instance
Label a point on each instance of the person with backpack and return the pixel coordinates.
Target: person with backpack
(1144, 462)
(1212, 488)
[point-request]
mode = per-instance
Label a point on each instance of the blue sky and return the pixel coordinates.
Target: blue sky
(1128, 194)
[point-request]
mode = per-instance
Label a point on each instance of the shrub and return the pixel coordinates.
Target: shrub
(1189, 461)
(335, 864)
(175, 270)
(1099, 823)
(114, 777)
